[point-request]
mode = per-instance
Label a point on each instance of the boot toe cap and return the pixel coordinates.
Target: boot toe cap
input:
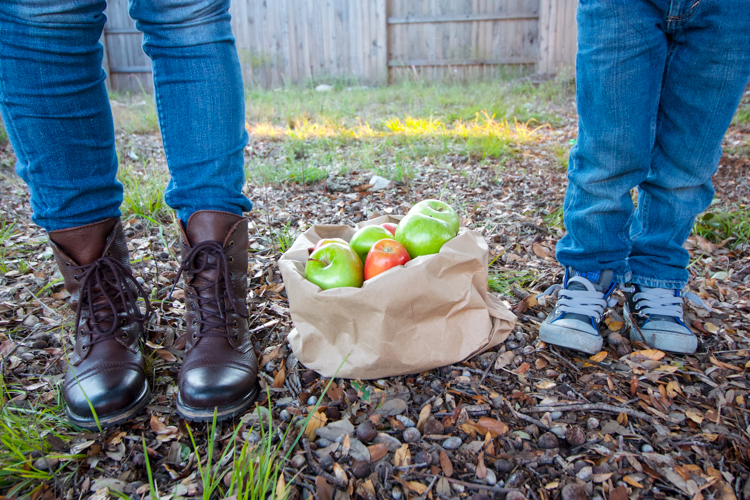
(108, 392)
(216, 386)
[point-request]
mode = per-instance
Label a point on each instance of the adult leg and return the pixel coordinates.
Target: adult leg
(56, 109)
(55, 105)
(200, 100)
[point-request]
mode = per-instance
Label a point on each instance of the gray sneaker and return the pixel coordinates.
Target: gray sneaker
(655, 317)
(582, 300)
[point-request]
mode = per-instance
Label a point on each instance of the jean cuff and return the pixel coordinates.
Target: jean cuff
(654, 283)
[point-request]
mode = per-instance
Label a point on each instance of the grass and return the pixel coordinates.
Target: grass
(718, 226)
(143, 195)
(134, 113)
(502, 282)
(3, 134)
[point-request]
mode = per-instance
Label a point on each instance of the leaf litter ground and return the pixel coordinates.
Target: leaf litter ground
(526, 420)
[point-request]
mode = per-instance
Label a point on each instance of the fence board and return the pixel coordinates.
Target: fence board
(372, 41)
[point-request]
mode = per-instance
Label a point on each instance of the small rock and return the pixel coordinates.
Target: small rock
(515, 495)
(412, 435)
(436, 385)
(359, 451)
(559, 430)
(556, 414)
(285, 416)
(647, 448)
(519, 336)
(396, 493)
(327, 463)
(298, 461)
(452, 443)
(575, 436)
(573, 492)
(323, 442)
(39, 344)
(46, 463)
(548, 441)
(253, 437)
(578, 465)
(366, 431)
(614, 338)
(423, 458)
(270, 367)
(308, 377)
(585, 474)
(312, 400)
(503, 465)
(433, 426)
(391, 442)
(458, 488)
(491, 478)
(392, 407)
(360, 469)
(600, 469)
(323, 88)
(406, 421)
(333, 413)
(592, 423)
(31, 321)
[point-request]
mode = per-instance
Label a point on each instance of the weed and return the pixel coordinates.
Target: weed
(741, 117)
(143, 194)
(284, 237)
(502, 282)
(720, 226)
(3, 135)
(561, 154)
(555, 219)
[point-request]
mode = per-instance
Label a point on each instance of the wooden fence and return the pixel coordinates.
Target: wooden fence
(370, 42)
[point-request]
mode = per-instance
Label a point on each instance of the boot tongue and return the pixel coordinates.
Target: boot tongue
(601, 280)
(210, 225)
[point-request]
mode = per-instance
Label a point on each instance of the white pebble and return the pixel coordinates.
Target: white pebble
(647, 448)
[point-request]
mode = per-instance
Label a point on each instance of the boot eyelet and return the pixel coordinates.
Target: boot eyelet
(125, 336)
(195, 322)
(75, 277)
(108, 254)
(233, 232)
(195, 336)
(230, 258)
(68, 264)
(235, 323)
(231, 276)
(231, 243)
(84, 348)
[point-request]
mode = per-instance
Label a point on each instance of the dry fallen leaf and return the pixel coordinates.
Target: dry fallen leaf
(504, 360)
(402, 457)
(424, 415)
(445, 464)
(481, 468)
(522, 369)
(598, 358)
(694, 415)
(652, 354)
(632, 482)
(494, 427)
(317, 420)
(377, 451)
(545, 384)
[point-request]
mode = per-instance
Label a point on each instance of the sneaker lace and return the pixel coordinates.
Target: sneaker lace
(663, 301)
(587, 302)
(206, 256)
(105, 294)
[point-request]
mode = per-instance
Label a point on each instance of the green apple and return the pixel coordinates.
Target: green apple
(366, 237)
(422, 234)
(439, 210)
(334, 265)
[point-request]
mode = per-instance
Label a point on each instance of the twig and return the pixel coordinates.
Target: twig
(429, 488)
(704, 378)
(315, 466)
(489, 367)
(521, 416)
(475, 486)
(565, 361)
(594, 407)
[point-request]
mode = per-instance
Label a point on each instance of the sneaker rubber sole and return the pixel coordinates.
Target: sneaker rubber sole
(663, 340)
(572, 339)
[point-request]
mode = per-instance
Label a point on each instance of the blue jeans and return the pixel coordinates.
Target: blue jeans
(657, 84)
(56, 108)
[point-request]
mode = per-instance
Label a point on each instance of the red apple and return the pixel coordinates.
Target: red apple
(384, 255)
(390, 226)
(334, 265)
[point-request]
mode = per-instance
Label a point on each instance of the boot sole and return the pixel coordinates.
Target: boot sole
(118, 418)
(225, 412)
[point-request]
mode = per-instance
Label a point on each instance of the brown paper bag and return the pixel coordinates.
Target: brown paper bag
(432, 312)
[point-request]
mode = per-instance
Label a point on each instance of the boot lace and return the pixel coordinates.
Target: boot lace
(587, 302)
(105, 295)
(213, 316)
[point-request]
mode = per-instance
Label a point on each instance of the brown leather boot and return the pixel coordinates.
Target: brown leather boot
(220, 370)
(106, 366)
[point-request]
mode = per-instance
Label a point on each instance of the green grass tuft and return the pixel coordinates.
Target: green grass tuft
(143, 195)
(719, 226)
